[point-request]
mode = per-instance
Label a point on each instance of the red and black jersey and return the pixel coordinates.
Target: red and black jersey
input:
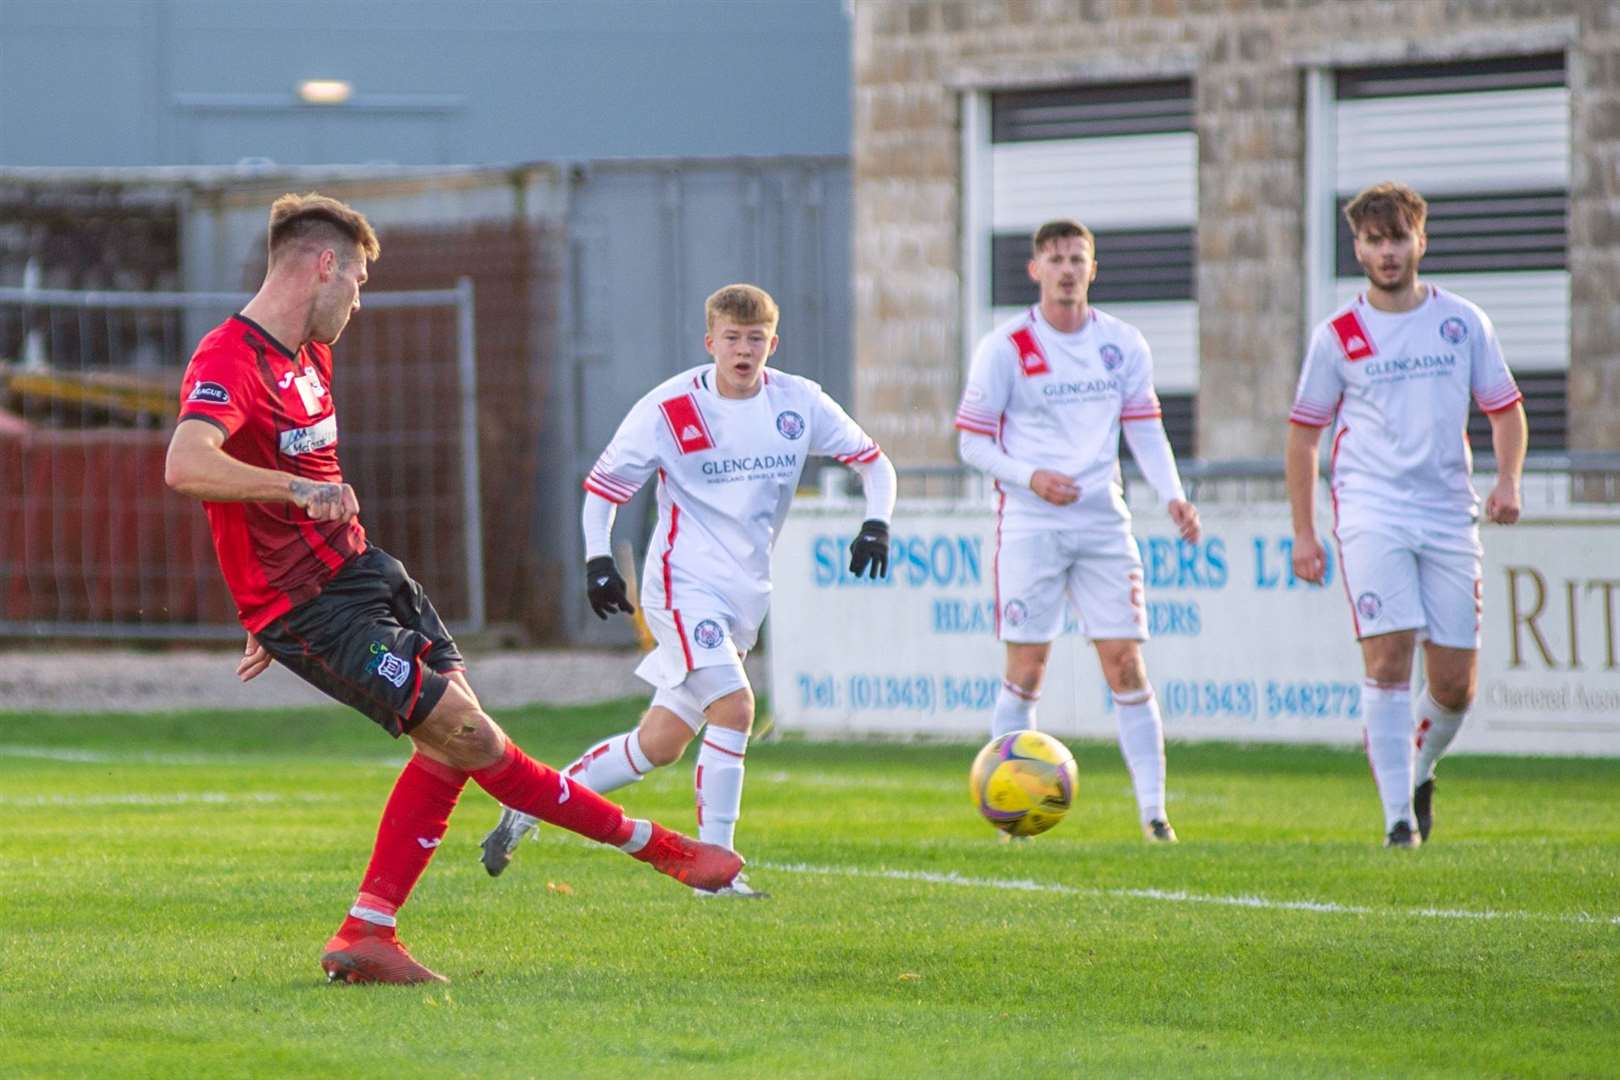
(275, 408)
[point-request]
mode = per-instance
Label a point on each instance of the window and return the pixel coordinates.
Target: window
(1123, 159)
(1487, 144)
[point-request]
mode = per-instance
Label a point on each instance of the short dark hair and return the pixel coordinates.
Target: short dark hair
(1392, 205)
(294, 218)
(1061, 229)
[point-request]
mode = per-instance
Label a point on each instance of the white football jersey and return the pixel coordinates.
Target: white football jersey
(1396, 387)
(727, 470)
(1055, 401)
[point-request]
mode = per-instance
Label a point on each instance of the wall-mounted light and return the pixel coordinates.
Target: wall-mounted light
(325, 91)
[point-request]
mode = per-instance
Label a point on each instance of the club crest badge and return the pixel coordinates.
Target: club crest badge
(790, 424)
(388, 666)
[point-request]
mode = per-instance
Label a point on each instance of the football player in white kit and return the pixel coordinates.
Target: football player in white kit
(728, 442)
(1042, 412)
(1392, 371)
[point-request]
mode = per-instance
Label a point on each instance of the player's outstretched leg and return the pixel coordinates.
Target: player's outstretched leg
(705, 867)
(609, 765)
(519, 781)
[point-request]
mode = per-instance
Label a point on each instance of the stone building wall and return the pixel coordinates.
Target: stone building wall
(913, 59)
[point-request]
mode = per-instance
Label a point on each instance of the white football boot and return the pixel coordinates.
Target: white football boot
(739, 889)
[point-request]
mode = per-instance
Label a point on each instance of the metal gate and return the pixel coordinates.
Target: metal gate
(93, 544)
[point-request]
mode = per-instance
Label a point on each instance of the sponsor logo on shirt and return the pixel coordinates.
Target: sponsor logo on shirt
(757, 463)
(307, 440)
(790, 424)
(1454, 330)
(1111, 356)
(210, 393)
(1369, 604)
(686, 423)
(708, 634)
(1400, 367)
(1084, 388)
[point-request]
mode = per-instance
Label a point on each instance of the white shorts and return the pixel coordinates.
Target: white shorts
(1413, 576)
(695, 664)
(1101, 579)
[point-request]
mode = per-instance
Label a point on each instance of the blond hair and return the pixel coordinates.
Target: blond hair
(1392, 206)
(319, 219)
(745, 305)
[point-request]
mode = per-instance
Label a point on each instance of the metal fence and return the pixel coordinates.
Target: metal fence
(93, 544)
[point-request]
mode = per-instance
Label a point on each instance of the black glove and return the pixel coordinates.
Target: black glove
(605, 588)
(870, 548)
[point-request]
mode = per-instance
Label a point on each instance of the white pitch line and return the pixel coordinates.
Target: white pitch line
(142, 757)
(1177, 896)
(929, 784)
(177, 798)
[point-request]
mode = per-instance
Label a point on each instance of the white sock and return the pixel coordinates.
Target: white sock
(1141, 741)
(1015, 710)
(1436, 728)
(640, 833)
(1388, 710)
(610, 764)
(372, 915)
(719, 783)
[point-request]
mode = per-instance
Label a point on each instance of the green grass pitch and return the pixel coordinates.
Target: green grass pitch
(166, 884)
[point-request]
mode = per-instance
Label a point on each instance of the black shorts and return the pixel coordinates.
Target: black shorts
(370, 639)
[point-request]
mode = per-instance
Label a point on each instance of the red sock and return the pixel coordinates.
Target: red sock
(525, 784)
(413, 823)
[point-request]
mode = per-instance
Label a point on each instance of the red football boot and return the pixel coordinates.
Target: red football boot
(362, 952)
(691, 862)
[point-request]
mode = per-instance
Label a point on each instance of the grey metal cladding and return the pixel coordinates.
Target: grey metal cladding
(1075, 112)
(1492, 232)
(1546, 407)
(1180, 413)
(1451, 77)
(1134, 264)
